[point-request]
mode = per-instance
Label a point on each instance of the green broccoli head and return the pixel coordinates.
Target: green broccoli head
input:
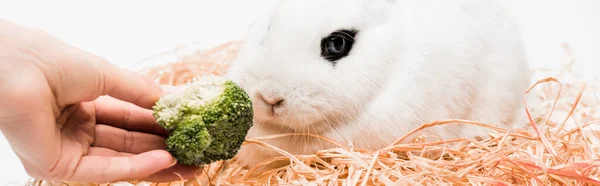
(208, 121)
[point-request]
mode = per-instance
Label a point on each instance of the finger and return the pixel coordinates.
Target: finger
(84, 76)
(129, 86)
(126, 141)
(127, 116)
(170, 174)
(104, 152)
(100, 169)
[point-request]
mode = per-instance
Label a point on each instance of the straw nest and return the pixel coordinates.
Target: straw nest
(559, 147)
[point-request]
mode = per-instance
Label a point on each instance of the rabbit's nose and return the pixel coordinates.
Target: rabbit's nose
(273, 102)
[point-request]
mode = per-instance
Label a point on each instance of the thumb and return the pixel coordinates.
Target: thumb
(85, 76)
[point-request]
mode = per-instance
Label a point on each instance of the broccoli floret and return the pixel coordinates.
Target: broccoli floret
(207, 122)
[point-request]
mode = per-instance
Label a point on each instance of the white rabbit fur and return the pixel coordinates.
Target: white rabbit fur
(413, 62)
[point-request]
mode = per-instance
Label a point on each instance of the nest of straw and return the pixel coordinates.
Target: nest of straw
(560, 146)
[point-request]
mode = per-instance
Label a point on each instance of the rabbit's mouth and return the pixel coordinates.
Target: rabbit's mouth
(311, 119)
(317, 127)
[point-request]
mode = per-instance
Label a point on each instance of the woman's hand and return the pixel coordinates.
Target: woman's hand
(71, 116)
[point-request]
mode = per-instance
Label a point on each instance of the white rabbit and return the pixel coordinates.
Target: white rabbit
(366, 72)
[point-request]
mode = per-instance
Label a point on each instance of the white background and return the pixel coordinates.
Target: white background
(127, 31)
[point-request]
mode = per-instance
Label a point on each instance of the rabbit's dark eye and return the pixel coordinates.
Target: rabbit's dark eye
(337, 45)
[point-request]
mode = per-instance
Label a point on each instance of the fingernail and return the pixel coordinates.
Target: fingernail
(174, 162)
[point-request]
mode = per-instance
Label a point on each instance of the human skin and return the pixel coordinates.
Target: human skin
(69, 115)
